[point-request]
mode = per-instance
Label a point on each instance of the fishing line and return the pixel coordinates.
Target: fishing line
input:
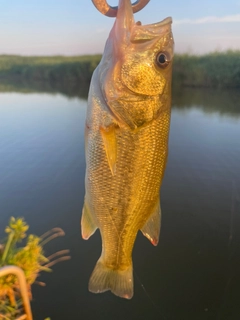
(138, 278)
(149, 296)
(231, 250)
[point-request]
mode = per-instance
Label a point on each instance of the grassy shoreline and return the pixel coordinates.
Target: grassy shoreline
(215, 70)
(77, 69)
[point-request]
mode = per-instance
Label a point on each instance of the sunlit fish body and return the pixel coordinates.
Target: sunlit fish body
(126, 136)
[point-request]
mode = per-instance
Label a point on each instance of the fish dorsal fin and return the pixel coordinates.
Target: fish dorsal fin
(151, 229)
(110, 145)
(88, 225)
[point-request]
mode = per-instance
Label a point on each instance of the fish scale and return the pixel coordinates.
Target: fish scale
(127, 129)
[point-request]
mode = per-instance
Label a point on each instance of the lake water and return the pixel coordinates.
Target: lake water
(194, 271)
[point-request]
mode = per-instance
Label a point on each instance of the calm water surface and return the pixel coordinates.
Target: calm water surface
(194, 272)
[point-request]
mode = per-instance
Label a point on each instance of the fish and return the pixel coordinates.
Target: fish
(126, 145)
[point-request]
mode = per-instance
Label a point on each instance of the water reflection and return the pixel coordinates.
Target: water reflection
(71, 90)
(225, 102)
(194, 271)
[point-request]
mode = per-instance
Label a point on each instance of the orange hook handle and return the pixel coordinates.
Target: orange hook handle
(110, 11)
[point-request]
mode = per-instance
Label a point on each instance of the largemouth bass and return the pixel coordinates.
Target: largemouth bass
(126, 141)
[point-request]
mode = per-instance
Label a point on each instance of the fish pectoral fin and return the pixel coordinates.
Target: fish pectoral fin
(151, 229)
(88, 225)
(110, 144)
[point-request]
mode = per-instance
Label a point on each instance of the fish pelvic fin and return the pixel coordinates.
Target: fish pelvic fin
(88, 225)
(151, 228)
(110, 145)
(119, 282)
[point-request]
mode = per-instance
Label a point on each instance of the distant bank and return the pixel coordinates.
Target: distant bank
(215, 70)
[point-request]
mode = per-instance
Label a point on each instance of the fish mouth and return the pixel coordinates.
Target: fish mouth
(162, 23)
(165, 21)
(142, 33)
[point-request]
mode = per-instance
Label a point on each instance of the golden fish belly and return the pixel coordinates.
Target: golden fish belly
(122, 202)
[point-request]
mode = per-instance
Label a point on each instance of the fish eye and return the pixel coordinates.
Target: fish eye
(163, 59)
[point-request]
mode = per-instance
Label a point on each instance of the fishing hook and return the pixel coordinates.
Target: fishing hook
(110, 11)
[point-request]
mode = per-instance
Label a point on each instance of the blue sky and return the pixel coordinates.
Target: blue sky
(74, 27)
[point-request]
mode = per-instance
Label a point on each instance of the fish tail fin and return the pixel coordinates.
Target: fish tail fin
(119, 282)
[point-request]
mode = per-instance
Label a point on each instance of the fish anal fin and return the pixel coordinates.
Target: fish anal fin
(119, 282)
(88, 225)
(110, 144)
(151, 228)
